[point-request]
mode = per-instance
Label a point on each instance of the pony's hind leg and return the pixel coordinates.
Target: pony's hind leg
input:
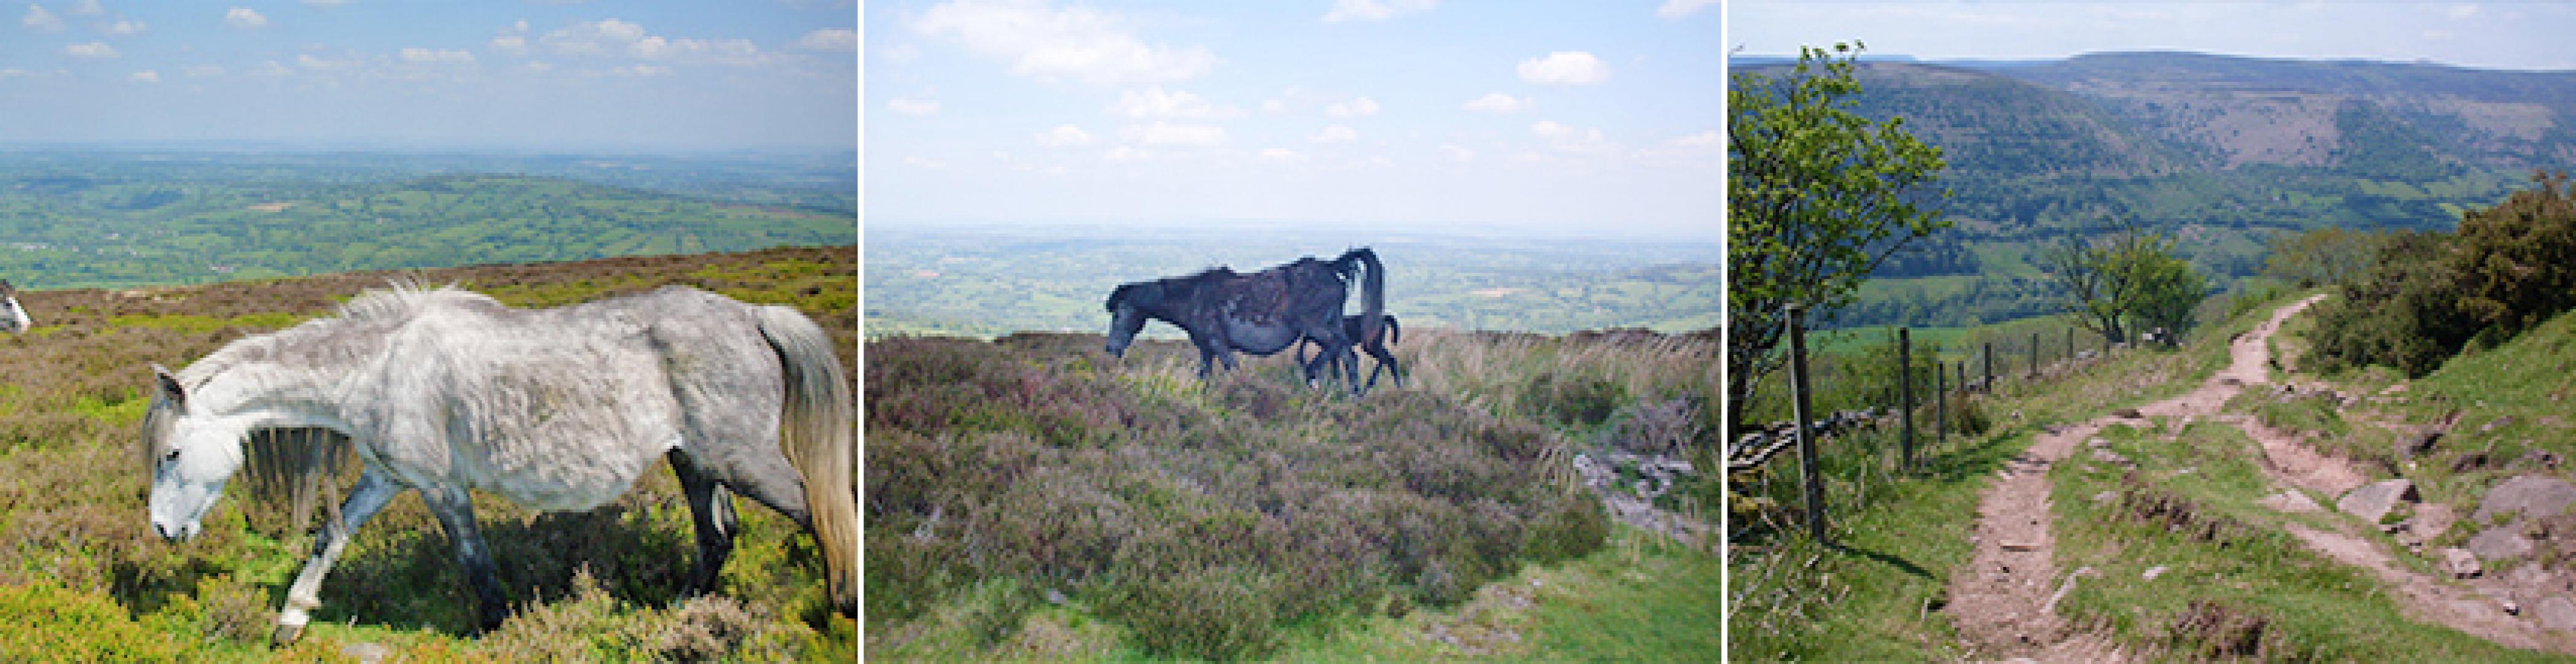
(455, 510)
(374, 490)
(711, 508)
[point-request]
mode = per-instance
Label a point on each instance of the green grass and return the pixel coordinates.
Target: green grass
(2223, 556)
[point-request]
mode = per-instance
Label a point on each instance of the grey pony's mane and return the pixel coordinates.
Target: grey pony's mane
(300, 464)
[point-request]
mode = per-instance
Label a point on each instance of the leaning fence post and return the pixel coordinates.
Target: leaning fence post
(1905, 393)
(1798, 387)
(2070, 345)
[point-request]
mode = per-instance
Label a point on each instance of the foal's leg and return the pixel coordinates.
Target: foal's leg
(455, 510)
(711, 507)
(374, 490)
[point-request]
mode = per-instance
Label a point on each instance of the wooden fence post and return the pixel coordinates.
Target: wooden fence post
(1940, 404)
(2034, 355)
(1798, 387)
(1905, 393)
(1990, 367)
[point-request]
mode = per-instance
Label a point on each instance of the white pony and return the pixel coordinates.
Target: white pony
(556, 409)
(13, 318)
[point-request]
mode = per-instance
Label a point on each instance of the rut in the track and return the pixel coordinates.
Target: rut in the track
(2001, 603)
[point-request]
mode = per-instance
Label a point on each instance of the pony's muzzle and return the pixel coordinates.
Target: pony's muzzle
(174, 533)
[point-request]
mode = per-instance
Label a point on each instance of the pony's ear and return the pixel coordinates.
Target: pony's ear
(170, 389)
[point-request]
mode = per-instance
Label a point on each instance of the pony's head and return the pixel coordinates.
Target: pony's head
(1127, 314)
(13, 318)
(190, 455)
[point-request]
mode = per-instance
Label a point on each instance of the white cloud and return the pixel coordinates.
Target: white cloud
(1458, 153)
(1273, 106)
(913, 106)
(640, 70)
(1361, 107)
(123, 27)
(436, 57)
(900, 53)
(1496, 102)
(1076, 42)
(1281, 155)
(2461, 12)
(325, 3)
(1155, 103)
(1681, 8)
(1705, 139)
(147, 76)
(202, 71)
(272, 69)
(90, 50)
(918, 160)
(1064, 136)
(87, 8)
(39, 20)
(307, 61)
(830, 39)
(511, 44)
(1375, 10)
(1164, 133)
(244, 18)
(1570, 140)
(537, 67)
(1125, 154)
(1565, 68)
(1334, 134)
(612, 37)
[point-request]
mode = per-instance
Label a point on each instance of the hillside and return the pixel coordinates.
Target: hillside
(2222, 151)
(87, 580)
(1031, 497)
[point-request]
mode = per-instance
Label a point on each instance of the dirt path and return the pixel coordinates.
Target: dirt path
(2002, 603)
(2472, 607)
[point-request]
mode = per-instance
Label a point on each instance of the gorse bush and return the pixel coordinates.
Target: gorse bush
(1209, 517)
(2432, 294)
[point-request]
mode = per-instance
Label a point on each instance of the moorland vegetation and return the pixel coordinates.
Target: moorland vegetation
(86, 579)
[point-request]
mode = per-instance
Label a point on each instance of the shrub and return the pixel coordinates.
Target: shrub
(2509, 267)
(51, 623)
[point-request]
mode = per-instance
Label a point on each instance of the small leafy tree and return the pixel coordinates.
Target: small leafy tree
(1817, 197)
(2127, 281)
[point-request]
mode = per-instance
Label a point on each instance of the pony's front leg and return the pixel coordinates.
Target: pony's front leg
(374, 490)
(455, 510)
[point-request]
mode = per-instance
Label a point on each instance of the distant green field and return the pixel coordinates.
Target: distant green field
(993, 281)
(120, 219)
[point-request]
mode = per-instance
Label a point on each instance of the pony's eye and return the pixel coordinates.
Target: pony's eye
(172, 456)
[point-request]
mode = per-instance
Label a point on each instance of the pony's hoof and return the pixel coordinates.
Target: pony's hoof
(286, 634)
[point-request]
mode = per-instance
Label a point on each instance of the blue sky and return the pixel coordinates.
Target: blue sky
(2526, 35)
(1589, 118)
(425, 73)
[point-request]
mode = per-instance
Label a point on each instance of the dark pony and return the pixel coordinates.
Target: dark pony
(1260, 313)
(1374, 346)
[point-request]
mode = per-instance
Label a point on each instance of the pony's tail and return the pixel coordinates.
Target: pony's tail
(1372, 289)
(820, 439)
(1394, 332)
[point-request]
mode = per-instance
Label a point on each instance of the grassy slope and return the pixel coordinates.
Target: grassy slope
(1036, 416)
(2188, 507)
(1901, 539)
(73, 546)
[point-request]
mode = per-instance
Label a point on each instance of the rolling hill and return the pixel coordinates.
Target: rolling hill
(2223, 151)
